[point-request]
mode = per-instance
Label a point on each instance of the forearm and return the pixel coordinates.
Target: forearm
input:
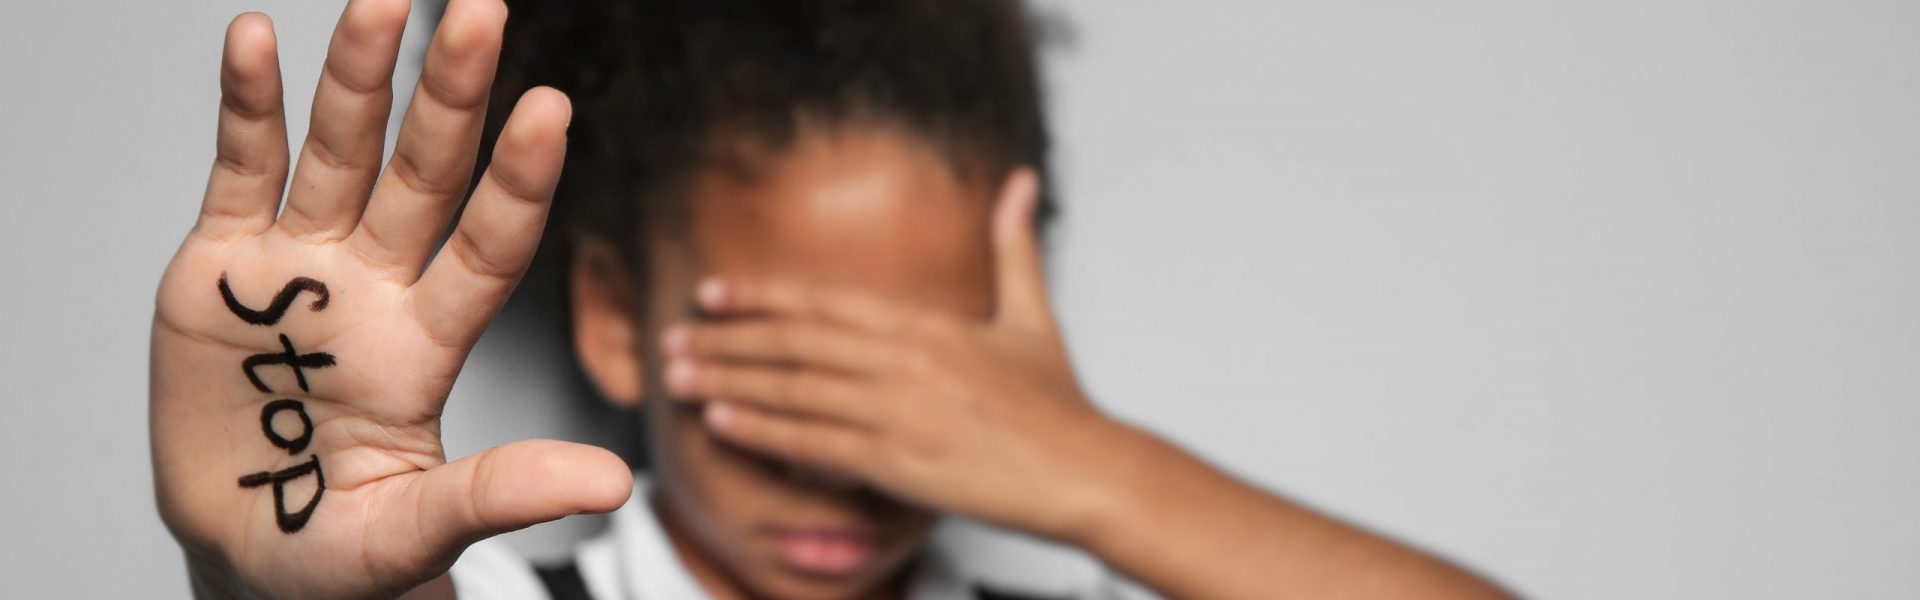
(1187, 530)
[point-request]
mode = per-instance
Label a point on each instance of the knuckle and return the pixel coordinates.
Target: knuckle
(475, 259)
(243, 165)
(514, 184)
(407, 169)
(449, 94)
(331, 75)
(337, 149)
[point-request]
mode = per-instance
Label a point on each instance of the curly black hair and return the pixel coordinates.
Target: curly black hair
(655, 82)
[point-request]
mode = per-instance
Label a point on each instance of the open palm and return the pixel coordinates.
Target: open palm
(301, 360)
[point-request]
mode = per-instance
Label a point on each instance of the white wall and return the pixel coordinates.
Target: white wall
(1605, 299)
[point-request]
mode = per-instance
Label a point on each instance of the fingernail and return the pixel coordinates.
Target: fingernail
(712, 293)
(674, 341)
(719, 414)
(680, 377)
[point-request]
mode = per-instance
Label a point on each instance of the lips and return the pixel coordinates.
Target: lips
(824, 552)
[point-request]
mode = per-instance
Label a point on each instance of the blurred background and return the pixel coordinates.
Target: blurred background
(1606, 300)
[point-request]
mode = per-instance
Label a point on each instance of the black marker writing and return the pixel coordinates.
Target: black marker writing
(299, 442)
(281, 301)
(290, 521)
(288, 357)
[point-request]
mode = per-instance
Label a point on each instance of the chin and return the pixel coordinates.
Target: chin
(784, 585)
(776, 578)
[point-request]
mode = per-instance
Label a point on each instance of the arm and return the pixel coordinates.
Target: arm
(987, 420)
(1188, 530)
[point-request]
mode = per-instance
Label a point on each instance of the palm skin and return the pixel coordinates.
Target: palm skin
(399, 320)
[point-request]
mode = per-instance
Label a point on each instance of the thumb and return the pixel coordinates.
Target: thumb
(513, 486)
(1020, 280)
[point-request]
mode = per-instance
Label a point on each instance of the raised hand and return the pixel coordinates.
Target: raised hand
(301, 360)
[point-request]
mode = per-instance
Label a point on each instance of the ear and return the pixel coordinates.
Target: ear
(606, 326)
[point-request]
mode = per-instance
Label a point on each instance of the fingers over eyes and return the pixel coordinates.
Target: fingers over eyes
(804, 343)
(433, 158)
(250, 161)
(811, 393)
(813, 442)
(498, 233)
(347, 131)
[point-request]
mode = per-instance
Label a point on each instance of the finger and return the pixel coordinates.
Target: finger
(513, 486)
(433, 158)
(858, 310)
(496, 237)
(796, 391)
(250, 157)
(835, 447)
(348, 127)
(1020, 281)
(811, 344)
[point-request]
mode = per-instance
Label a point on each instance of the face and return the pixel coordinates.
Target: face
(867, 208)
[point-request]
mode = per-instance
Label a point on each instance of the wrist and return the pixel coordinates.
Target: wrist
(1112, 484)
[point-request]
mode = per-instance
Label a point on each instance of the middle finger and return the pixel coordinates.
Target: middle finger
(433, 159)
(348, 127)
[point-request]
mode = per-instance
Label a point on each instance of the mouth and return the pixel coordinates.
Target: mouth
(824, 552)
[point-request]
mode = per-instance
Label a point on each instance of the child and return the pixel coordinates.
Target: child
(803, 241)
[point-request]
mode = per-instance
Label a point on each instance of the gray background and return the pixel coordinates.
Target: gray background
(1607, 299)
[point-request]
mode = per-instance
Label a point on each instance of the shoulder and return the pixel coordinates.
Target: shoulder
(489, 570)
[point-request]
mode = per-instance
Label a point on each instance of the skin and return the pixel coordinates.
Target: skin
(873, 346)
(395, 513)
(858, 206)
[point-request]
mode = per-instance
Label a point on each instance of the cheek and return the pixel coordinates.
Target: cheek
(726, 495)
